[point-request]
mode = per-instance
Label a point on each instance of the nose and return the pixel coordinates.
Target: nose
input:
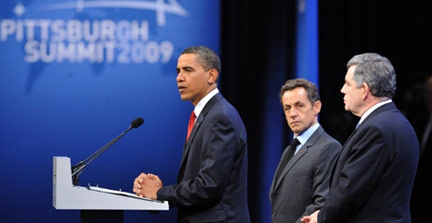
(179, 77)
(293, 113)
(342, 90)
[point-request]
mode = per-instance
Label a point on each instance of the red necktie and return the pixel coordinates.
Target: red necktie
(190, 125)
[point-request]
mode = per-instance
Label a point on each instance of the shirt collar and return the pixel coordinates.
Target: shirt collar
(308, 133)
(371, 109)
(201, 104)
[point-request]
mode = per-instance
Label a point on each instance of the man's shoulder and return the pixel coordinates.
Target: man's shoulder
(321, 136)
(322, 143)
(385, 119)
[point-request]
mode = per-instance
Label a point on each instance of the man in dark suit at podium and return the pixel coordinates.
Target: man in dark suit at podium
(212, 180)
(374, 175)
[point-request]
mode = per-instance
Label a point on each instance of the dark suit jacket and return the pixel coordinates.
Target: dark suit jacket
(212, 180)
(374, 175)
(302, 187)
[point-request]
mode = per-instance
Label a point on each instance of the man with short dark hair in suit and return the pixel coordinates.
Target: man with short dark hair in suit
(373, 177)
(300, 184)
(212, 180)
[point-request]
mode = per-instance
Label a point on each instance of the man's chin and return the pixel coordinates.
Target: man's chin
(296, 130)
(184, 98)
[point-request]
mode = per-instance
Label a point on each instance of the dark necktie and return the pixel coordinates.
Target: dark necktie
(190, 125)
(289, 154)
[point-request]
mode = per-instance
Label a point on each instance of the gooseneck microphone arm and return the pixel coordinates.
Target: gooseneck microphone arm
(79, 168)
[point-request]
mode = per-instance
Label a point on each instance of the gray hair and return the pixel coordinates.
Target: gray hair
(206, 57)
(376, 71)
(310, 88)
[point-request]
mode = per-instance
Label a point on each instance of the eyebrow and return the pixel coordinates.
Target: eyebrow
(185, 67)
(295, 103)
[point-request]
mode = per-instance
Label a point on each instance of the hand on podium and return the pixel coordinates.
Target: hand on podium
(147, 185)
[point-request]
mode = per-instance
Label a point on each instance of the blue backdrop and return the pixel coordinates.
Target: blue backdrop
(307, 41)
(73, 75)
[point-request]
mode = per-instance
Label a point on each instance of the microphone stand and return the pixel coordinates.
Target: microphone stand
(79, 168)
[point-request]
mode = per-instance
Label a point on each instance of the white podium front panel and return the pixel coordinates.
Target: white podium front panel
(69, 197)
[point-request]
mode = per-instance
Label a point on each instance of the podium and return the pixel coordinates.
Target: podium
(66, 196)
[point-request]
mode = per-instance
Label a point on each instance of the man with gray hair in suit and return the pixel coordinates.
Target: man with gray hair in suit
(374, 175)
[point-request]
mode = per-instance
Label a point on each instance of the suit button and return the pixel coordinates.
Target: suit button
(273, 214)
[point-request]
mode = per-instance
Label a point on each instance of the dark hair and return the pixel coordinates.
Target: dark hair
(376, 71)
(311, 89)
(206, 57)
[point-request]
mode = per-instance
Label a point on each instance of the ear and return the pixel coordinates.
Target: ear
(365, 91)
(213, 76)
(317, 107)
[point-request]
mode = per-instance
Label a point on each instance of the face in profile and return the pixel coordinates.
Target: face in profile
(352, 94)
(193, 81)
(299, 112)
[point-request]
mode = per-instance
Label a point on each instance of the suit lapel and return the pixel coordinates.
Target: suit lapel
(273, 185)
(196, 127)
(380, 109)
(191, 137)
(385, 107)
(302, 151)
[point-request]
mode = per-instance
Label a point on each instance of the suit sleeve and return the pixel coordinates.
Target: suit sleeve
(359, 176)
(219, 145)
(322, 170)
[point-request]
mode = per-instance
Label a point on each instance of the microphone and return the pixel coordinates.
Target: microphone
(79, 168)
(137, 122)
